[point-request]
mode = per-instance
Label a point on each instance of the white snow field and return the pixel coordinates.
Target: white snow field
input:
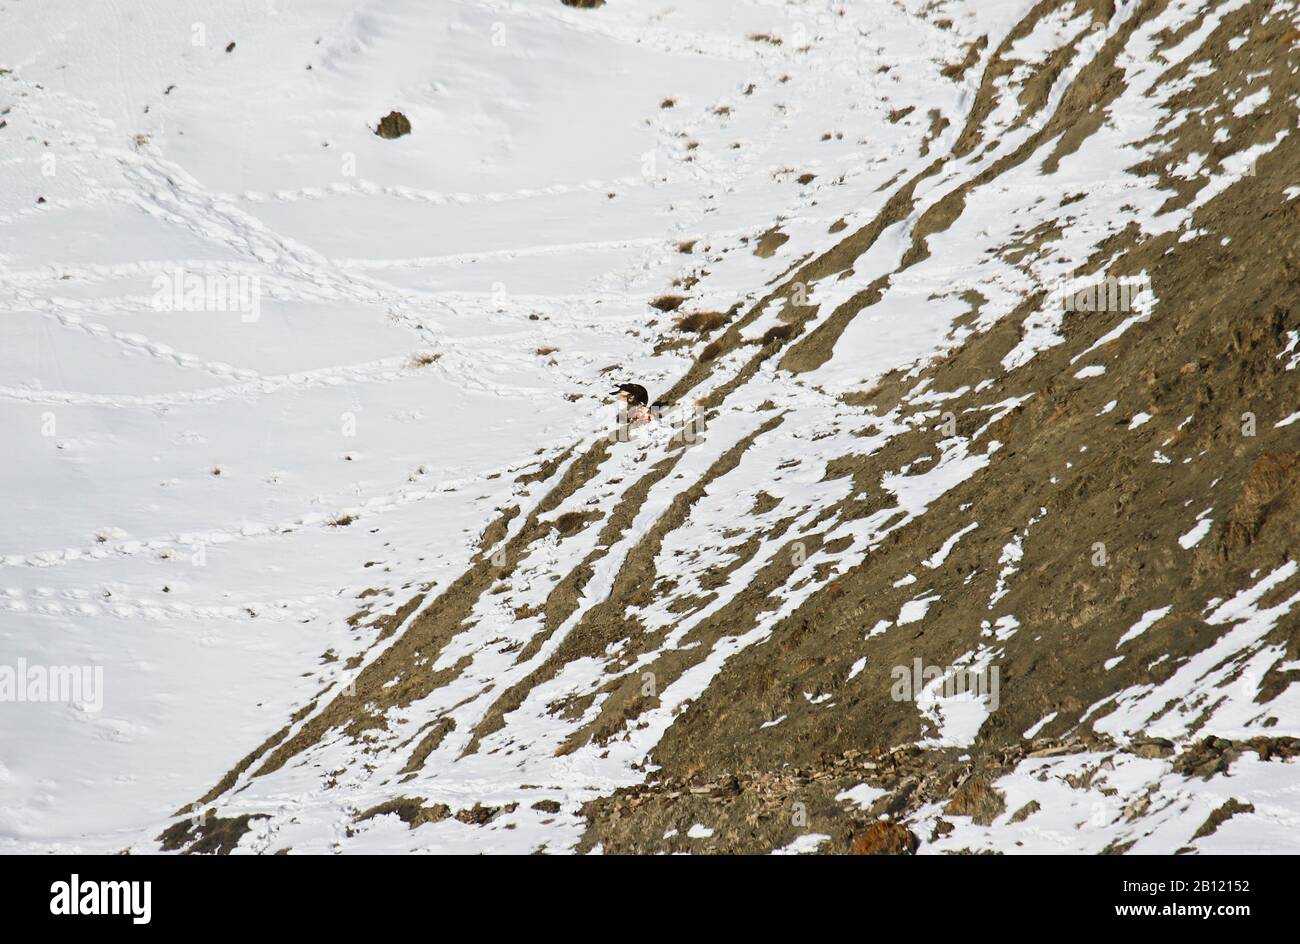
(201, 492)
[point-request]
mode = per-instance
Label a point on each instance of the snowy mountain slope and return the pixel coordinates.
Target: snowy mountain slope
(368, 530)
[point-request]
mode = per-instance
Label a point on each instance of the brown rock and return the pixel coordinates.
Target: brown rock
(1156, 747)
(976, 799)
(886, 838)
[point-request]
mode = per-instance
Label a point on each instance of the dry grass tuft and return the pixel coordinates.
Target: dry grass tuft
(780, 332)
(393, 125)
(569, 522)
(667, 303)
(702, 322)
